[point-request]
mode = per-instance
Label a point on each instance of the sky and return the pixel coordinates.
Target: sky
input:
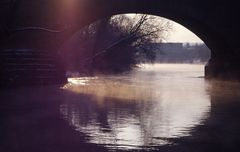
(182, 34)
(179, 33)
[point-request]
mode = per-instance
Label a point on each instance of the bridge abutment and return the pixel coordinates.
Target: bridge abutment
(223, 69)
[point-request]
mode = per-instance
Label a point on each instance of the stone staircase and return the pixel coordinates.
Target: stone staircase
(30, 67)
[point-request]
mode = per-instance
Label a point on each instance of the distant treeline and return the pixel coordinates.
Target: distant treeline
(181, 52)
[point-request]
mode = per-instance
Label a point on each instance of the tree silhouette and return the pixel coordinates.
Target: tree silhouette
(116, 44)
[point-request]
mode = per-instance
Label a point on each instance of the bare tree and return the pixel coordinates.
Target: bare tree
(120, 42)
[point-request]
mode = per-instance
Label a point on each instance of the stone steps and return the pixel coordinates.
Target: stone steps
(24, 55)
(30, 67)
(32, 61)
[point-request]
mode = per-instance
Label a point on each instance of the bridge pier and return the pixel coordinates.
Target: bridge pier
(223, 69)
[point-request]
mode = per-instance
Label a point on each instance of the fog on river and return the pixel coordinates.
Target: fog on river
(142, 108)
(161, 107)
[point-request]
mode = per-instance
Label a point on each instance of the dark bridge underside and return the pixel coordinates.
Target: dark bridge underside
(47, 24)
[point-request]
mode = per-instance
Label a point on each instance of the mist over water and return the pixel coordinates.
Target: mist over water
(161, 107)
(141, 109)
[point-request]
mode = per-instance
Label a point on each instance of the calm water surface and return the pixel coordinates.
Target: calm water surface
(166, 107)
(140, 109)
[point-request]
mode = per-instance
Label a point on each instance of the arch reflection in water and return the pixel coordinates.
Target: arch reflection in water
(144, 108)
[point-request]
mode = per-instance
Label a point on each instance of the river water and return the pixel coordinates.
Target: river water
(156, 107)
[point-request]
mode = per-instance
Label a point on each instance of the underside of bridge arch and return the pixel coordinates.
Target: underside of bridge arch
(46, 25)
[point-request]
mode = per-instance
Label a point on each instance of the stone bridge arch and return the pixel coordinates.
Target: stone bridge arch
(215, 22)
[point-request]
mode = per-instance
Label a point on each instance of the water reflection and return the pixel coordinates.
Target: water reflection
(145, 108)
(46, 119)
